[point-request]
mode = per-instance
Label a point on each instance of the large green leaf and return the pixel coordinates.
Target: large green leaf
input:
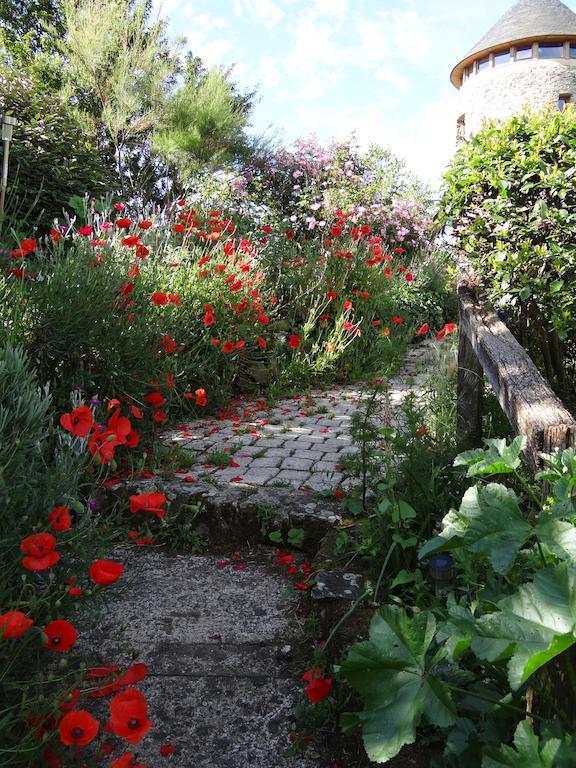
(552, 751)
(496, 459)
(531, 626)
(489, 522)
(395, 674)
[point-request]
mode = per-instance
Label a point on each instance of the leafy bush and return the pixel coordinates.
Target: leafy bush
(464, 665)
(50, 158)
(510, 196)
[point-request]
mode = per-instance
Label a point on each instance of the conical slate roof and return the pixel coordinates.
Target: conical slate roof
(526, 20)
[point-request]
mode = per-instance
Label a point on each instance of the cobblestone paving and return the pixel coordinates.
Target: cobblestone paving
(303, 441)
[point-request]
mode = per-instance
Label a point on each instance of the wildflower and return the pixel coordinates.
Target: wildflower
(60, 519)
(262, 343)
(423, 330)
(128, 716)
(148, 502)
(155, 399)
(228, 347)
(144, 224)
(78, 728)
(396, 320)
(168, 344)
(79, 421)
(159, 298)
(158, 415)
(319, 687)
(101, 445)
(126, 761)
(105, 572)
(39, 551)
(60, 635)
(446, 330)
(85, 230)
(13, 624)
(201, 399)
(123, 223)
(294, 341)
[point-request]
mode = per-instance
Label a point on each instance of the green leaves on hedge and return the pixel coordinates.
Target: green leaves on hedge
(395, 673)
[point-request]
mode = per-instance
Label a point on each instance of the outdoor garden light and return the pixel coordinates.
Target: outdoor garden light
(441, 569)
(8, 124)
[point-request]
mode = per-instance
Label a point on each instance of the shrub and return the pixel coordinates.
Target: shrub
(510, 196)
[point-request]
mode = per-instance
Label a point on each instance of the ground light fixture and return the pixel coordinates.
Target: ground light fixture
(8, 123)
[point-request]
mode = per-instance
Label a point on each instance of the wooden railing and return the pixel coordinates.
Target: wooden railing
(487, 348)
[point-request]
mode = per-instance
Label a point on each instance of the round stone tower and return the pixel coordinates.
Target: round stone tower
(527, 59)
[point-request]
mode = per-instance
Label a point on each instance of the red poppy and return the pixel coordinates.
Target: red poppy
(168, 344)
(51, 759)
(318, 687)
(174, 299)
(13, 624)
(101, 445)
(131, 241)
(119, 206)
(105, 572)
(123, 223)
(136, 412)
(294, 341)
(228, 347)
(398, 250)
(79, 421)
(78, 728)
(55, 235)
(167, 749)
(128, 716)
(158, 415)
(60, 519)
(409, 277)
(262, 318)
(290, 234)
(209, 319)
(39, 551)
(201, 397)
(446, 330)
(60, 635)
(262, 343)
(423, 330)
(148, 502)
(28, 246)
(144, 224)
(85, 230)
(155, 399)
(397, 320)
(159, 298)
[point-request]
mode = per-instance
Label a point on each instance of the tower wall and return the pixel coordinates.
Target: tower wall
(503, 91)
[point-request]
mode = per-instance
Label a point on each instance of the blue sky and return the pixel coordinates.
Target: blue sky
(379, 68)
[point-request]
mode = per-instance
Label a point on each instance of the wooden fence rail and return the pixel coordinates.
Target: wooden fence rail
(488, 348)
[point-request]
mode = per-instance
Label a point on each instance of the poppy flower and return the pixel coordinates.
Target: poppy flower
(158, 415)
(423, 330)
(39, 551)
(174, 299)
(70, 701)
(148, 502)
(155, 399)
(128, 716)
(123, 223)
(446, 330)
(294, 341)
(60, 635)
(262, 343)
(101, 445)
(28, 246)
(13, 624)
(144, 224)
(168, 344)
(396, 320)
(263, 319)
(209, 319)
(159, 298)
(78, 728)
(319, 688)
(55, 235)
(131, 241)
(409, 277)
(228, 347)
(79, 421)
(290, 234)
(105, 572)
(201, 397)
(136, 412)
(167, 749)
(85, 230)
(60, 519)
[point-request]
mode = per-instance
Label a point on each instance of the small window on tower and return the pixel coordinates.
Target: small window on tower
(483, 63)
(551, 51)
(503, 57)
(563, 100)
(524, 53)
(572, 51)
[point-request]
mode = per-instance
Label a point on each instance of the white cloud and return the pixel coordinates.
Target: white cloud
(267, 12)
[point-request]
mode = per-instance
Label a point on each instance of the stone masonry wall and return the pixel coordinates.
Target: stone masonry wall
(503, 91)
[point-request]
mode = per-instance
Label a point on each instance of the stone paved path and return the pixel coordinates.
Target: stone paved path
(302, 441)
